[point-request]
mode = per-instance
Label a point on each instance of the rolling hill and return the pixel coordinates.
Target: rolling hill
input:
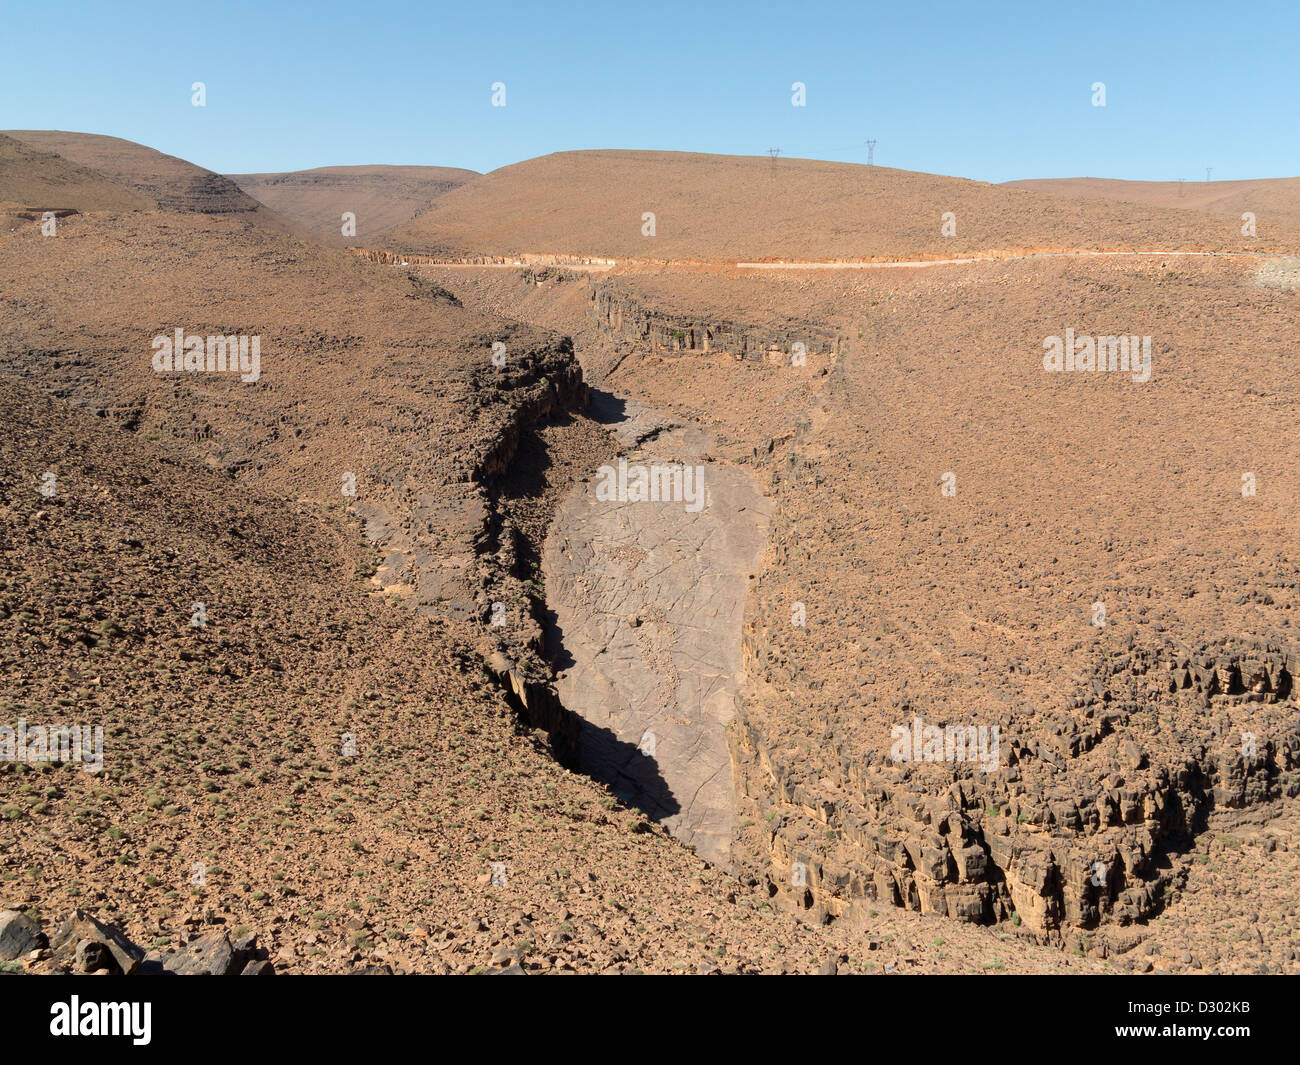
(743, 207)
(169, 183)
(381, 197)
(1275, 202)
(35, 179)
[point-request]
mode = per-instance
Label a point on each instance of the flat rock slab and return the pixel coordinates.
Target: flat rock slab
(648, 600)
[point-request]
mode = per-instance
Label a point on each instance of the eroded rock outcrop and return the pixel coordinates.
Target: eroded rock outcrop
(1073, 829)
(437, 542)
(622, 314)
(83, 944)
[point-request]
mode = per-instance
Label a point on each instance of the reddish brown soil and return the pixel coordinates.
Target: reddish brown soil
(1275, 202)
(223, 743)
(740, 207)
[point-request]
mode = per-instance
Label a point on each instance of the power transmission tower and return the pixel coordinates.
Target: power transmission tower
(1208, 171)
(774, 152)
(871, 153)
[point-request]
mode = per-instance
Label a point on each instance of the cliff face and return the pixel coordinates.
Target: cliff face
(620, 313)
(394, 258)
(1040, 837)
(401, 258)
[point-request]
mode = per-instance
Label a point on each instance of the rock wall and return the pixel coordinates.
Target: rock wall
(1055, 851)
(397, 258)
(622, 314)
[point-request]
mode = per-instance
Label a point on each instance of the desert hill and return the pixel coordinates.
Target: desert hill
(170, 183)
(1275, 202)
(742, 207)
(35, 179)
(381, 197)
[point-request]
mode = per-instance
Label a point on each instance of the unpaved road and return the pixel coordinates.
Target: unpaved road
(998, 256)
(648, 600)
(592, 264)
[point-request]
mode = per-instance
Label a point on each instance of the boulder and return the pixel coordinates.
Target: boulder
(19, 935)
(211, 954)
(76, 939)
(93, 956)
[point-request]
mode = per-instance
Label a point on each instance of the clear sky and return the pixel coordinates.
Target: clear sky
(985, 90)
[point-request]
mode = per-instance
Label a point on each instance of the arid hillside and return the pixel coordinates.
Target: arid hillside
(1099, 568)
(367, 381)
(1275, 202)
(32, 179)
(314, 537)
(379, 197)
(169, 183)
(307, 761)
(742, 207)
(270, 586)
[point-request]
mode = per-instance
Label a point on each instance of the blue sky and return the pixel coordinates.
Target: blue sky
(992, 91)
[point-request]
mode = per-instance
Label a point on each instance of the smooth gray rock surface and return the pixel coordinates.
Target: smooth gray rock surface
(648, 600)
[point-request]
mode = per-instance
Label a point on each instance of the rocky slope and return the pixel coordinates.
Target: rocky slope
(647, 600)
(339, 750)
(34, 181)
(167, 182)
(1275, 202)
(311, 762)
(1122, 747)
(290, 756)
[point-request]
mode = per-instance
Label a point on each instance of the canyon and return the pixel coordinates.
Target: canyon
(587, 731)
